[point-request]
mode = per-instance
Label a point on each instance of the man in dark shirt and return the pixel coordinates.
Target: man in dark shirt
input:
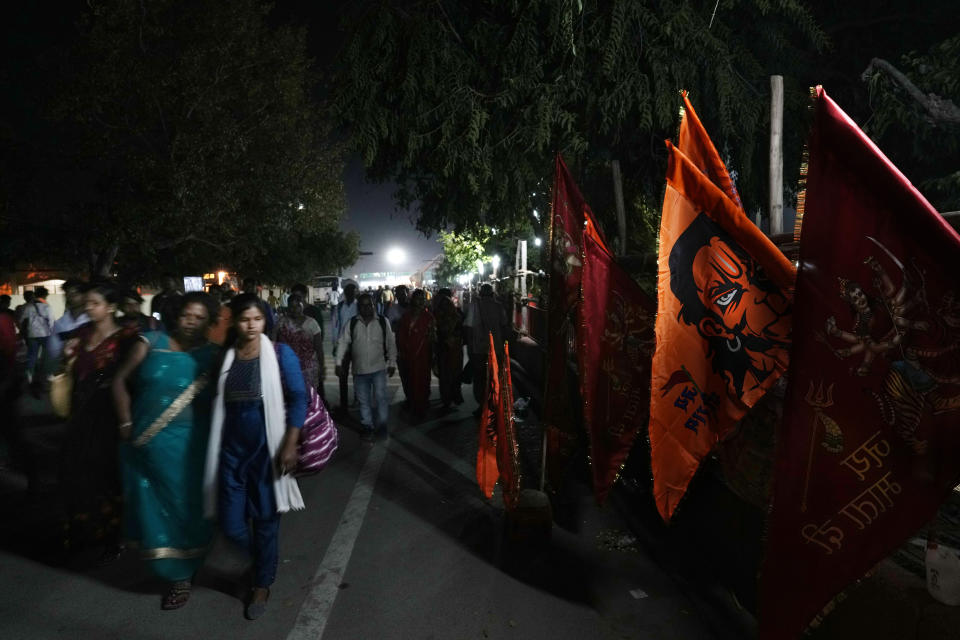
(485, 316)
(162, 301)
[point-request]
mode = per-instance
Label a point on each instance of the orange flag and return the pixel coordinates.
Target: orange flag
(508, 455)
(723, 323)
(487, 471)
(694, 142)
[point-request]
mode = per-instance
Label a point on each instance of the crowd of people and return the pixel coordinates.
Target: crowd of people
(190, 415)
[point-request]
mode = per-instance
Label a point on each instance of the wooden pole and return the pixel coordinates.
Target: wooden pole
(524, 323)
(621, 214)
(776, 155)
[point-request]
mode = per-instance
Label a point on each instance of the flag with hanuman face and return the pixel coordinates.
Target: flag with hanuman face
(723, 321)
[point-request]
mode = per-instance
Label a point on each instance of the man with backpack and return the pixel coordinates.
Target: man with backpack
(367, 344)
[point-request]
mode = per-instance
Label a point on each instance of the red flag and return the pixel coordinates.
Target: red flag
(508, 455)
(569, 217)
(616, 324)
(869, 445)
(723, 324)
(487, 472)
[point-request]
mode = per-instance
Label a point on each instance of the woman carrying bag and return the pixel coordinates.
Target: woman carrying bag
(261, 404)
(89, 470)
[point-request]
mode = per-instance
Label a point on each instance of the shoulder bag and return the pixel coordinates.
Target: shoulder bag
(61, 391)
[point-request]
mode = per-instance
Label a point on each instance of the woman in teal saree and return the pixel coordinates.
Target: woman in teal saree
(165, 429)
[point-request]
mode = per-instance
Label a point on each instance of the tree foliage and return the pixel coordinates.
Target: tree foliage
(464, 103)
(917, 118)
(180, 136)
(460, 254)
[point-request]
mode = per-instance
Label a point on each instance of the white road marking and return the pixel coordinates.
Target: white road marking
(312, 619)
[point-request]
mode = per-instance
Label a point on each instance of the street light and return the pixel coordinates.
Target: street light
(495, 261)
(479, 267)
(537, 241)
(396, 255)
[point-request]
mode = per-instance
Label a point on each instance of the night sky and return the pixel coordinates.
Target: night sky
(370, 208)
(370, 212)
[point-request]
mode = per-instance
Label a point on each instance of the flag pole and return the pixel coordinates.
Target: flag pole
(621, 214)
(776, 155)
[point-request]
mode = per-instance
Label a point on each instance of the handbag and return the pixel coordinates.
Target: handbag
(61, 391)
(318, 437)
(466, 376)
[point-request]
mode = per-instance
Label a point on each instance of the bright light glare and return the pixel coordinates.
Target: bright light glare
(495, 260)
(537, 242)
(396, 255)
(480, 267)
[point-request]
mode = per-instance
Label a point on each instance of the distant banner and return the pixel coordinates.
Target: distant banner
(616, 325)
(570, 215)
(869, 446)
(723, 325)
(487, 471)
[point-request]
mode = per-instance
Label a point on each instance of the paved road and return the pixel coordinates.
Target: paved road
(396, 542)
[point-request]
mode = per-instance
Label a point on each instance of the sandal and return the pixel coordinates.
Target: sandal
(253, 609)
(177, 596)
(110, 554)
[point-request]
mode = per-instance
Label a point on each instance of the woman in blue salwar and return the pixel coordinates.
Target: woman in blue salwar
(165, 430)
(260, 406)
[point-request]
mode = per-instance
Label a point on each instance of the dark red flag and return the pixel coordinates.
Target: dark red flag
(869, 445)
(616, 326)
(569, 215)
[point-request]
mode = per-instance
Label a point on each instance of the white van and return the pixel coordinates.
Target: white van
(322, 287)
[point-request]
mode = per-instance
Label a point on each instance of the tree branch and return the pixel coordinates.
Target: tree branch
(938, 108)
(450, 26)
(190, 237)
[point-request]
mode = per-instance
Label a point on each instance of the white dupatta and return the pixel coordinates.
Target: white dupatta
(285, 488)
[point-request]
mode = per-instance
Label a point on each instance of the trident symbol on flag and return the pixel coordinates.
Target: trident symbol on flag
(833, 439)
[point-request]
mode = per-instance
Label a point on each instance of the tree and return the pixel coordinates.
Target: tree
(460, 254)
(464, 104)
(182, 136)
(918, 121)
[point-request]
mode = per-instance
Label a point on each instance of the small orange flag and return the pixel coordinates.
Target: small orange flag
(487, 471)
(508, 455)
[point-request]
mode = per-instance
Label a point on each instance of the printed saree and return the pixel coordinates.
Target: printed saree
(89, 476)
(415, 336)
